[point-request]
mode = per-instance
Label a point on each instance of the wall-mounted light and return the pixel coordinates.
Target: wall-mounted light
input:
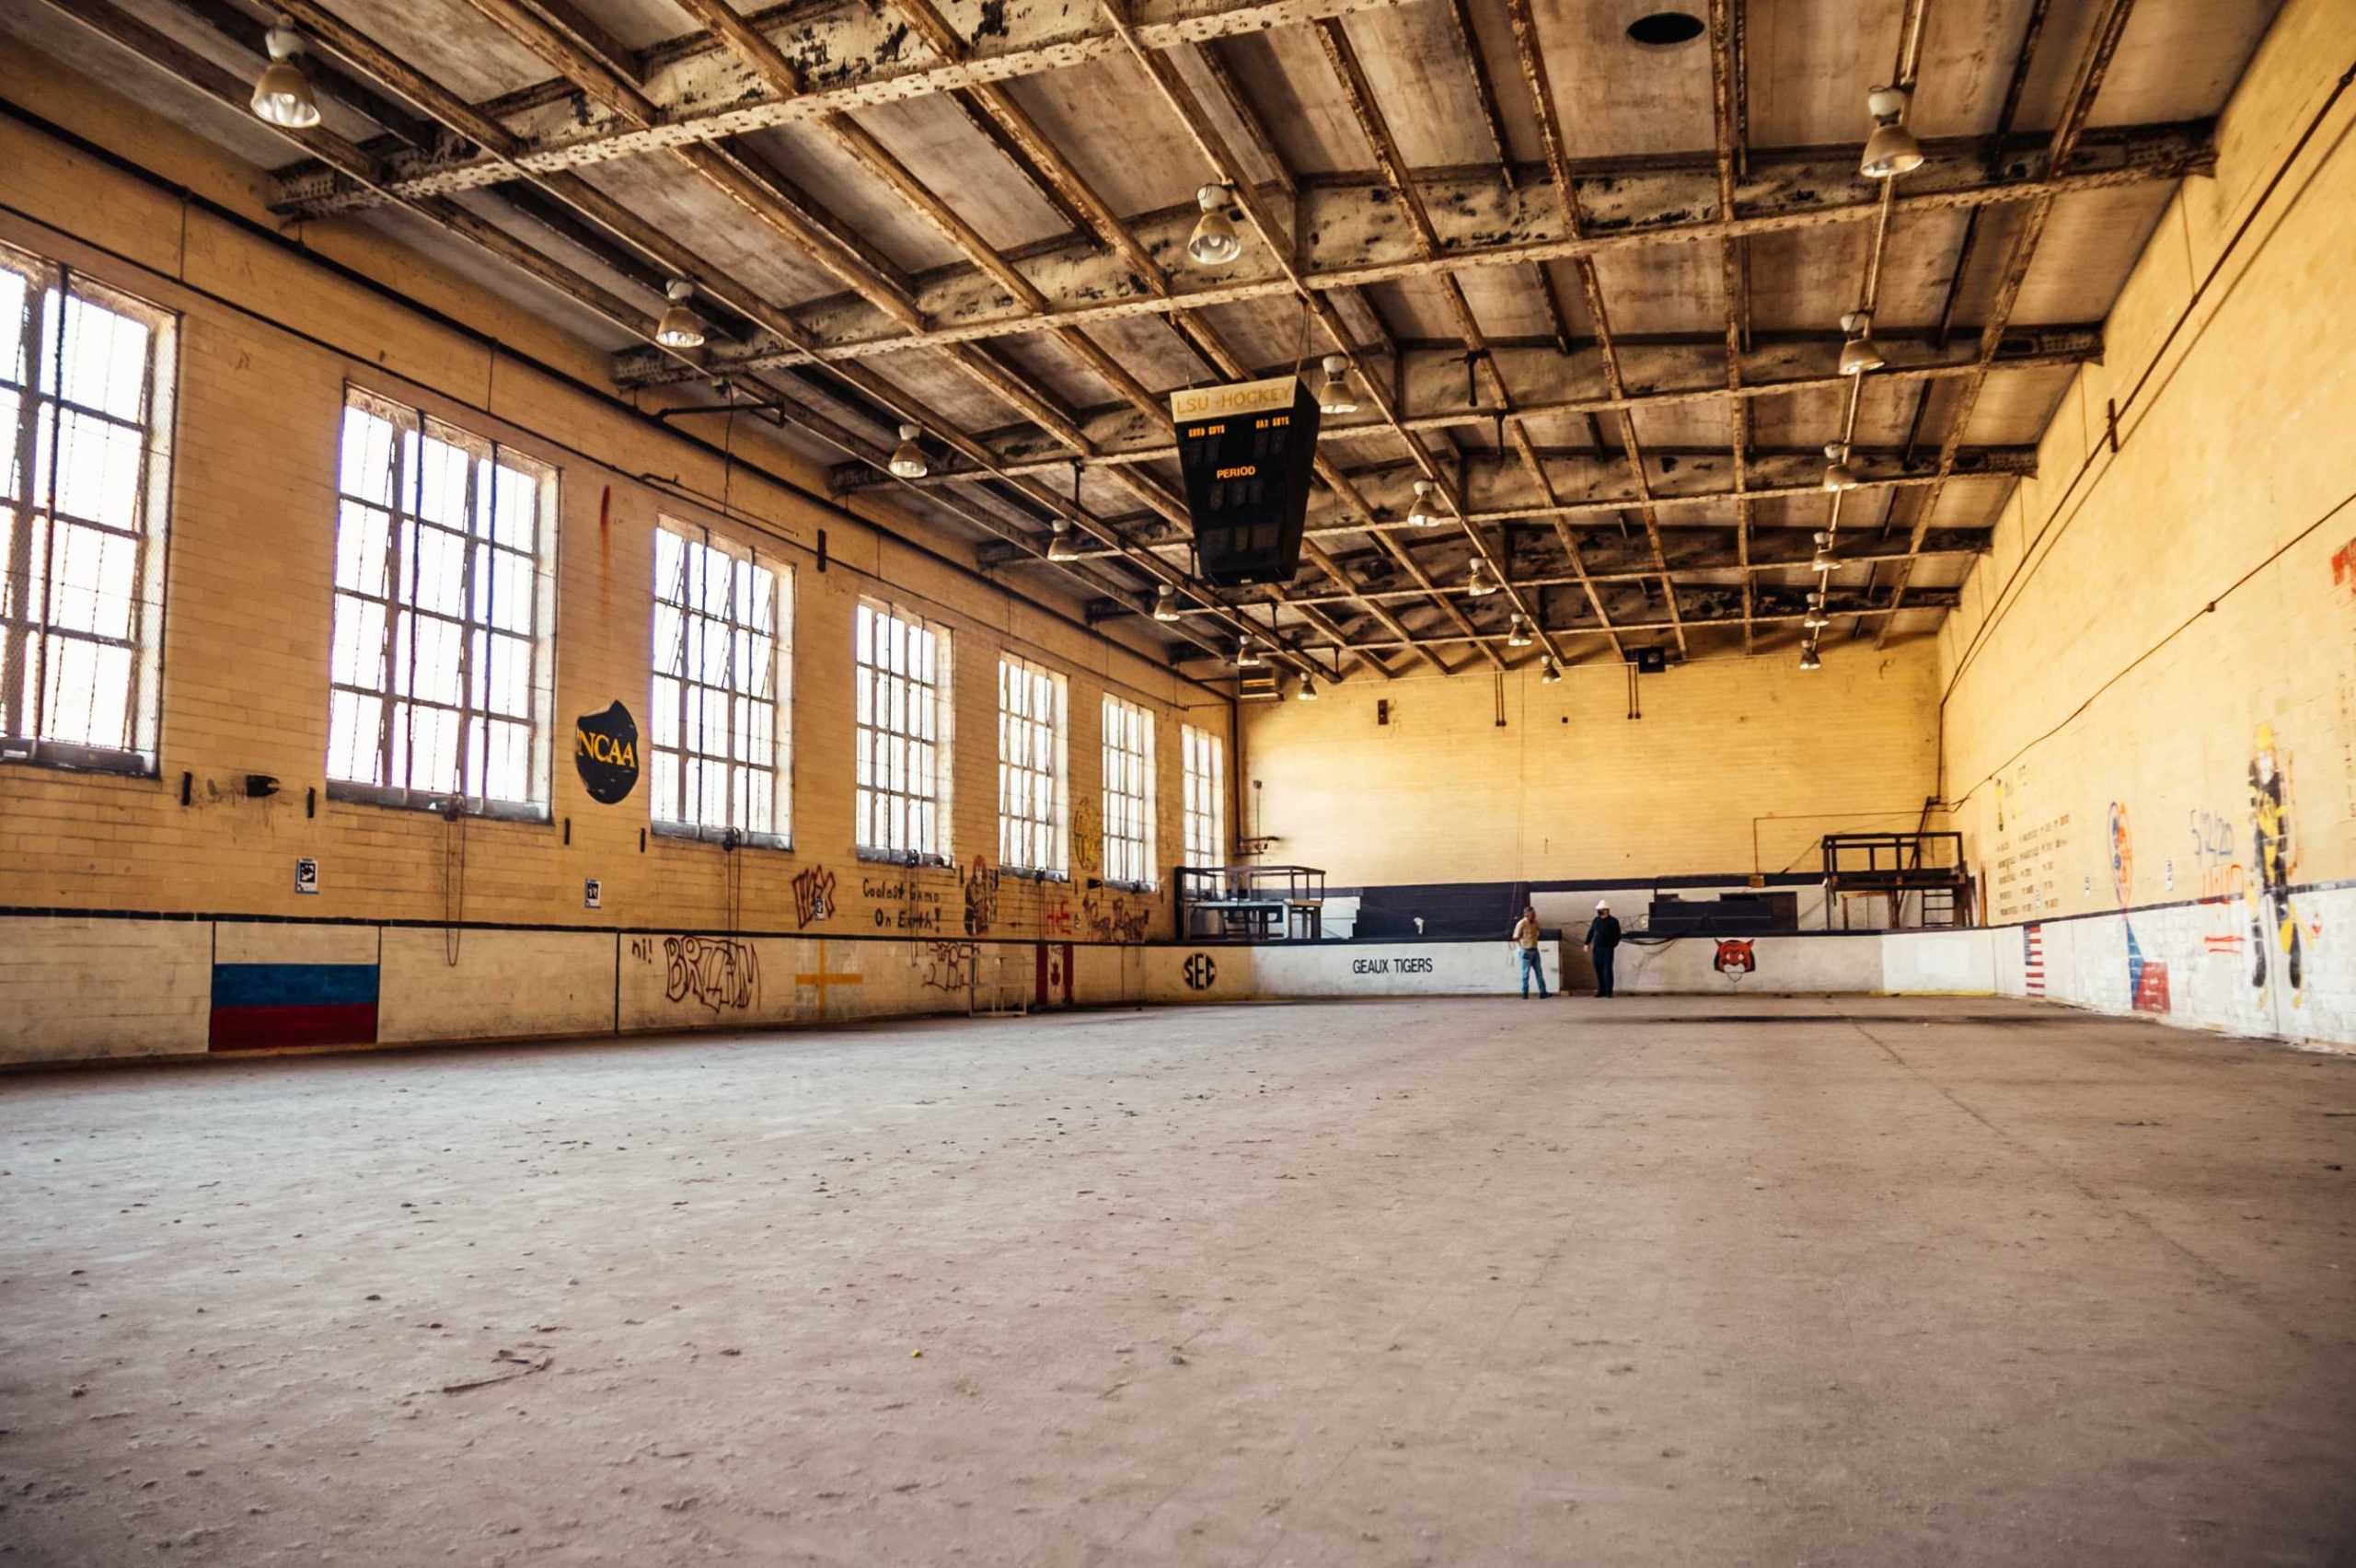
(1838, 475)
(1214, 242)
(1891, 150)
(283, 93)
(1860, 355)
(679, 327)
(908, 458)
(1334, 394)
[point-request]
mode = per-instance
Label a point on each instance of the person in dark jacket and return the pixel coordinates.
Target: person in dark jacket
(1603, 941)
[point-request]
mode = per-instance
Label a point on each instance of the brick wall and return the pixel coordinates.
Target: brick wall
(2165, 628)
(1571, 787)
(267, 343)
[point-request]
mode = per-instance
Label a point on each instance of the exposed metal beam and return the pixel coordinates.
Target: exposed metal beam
(854, 57)
(1939, 599)
(2069, 136)
(1351, 237)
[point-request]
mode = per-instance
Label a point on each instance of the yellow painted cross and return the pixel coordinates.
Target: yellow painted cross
(822, 979)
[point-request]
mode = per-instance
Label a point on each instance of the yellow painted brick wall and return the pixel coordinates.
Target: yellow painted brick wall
(267, 344)
(2157, 624)
(1573, 788)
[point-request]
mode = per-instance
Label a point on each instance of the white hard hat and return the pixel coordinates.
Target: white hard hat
(1603, 903)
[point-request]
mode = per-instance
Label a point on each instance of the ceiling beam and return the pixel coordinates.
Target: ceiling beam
(1351, 236)
(854, 57)
(2069, 136)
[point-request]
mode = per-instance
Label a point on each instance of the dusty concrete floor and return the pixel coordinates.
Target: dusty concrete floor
(1464, 1282)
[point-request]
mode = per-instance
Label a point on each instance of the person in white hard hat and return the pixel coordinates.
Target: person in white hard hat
(1603, 941)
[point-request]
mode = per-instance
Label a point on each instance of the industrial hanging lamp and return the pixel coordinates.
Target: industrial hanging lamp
(1838, 475)
(1808, 661)
(1478, 583)
(1214, 242)
(1060, 545)
(1247, 655)
(679, 327)
(908, 458)
(1422, 514)
(1308, 689)
(1334, 394)
(1814, 620)
(1891, 150)
(282, 94)
(1520, 635)
(1823, 562)
(1860, 355)
(1552, 675)
(1165, 604)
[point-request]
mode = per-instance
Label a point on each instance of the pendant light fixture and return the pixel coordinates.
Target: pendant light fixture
(1478, 583)
(1860, 353)
(1520, 635)
(1165, 604)
(1247, 655)
(1060, 544)
(1838, 475)
(1334, 394)
(679, 327)
(1552, 675)
(908, 458)
(1308, 689)
(1823, 562)
(1891, 150)
(1214, 242)
(1814, 620)
(1422, 514)
(1808, 661)
(282, 94)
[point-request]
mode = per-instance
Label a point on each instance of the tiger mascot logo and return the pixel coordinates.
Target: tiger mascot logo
(1736, 959)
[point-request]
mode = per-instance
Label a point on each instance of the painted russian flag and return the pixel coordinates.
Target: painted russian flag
(259, 1006)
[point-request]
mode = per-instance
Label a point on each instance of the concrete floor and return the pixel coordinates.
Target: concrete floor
(1723, 1280)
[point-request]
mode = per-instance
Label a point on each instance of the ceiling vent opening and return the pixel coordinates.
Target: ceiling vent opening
(1665, 30)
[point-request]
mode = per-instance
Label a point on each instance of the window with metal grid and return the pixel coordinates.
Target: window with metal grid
(85, 400)
(1033, 800)
(1129, 794)
(440, 678)
(720, 754)
(901, 665)
(1204, 816)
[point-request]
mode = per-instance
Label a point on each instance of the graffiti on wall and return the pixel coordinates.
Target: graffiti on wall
(919, 907)
(981, 897)
(2147, 978)
(1087, 835)
(814, 895)
(713, 972)
(949, 966)
(2026, 880)
(1057, 919)
(2274, 923)
(1115, 919)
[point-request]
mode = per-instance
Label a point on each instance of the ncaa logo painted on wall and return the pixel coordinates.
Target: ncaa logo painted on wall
(604, 750)
(1201, 970)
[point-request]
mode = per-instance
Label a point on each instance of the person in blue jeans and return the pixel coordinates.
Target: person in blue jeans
(1525, 937)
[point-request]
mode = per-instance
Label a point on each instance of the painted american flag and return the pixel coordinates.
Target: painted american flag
(2033, 958)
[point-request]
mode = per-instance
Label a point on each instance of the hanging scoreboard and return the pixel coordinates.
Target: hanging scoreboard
(1246, 451)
